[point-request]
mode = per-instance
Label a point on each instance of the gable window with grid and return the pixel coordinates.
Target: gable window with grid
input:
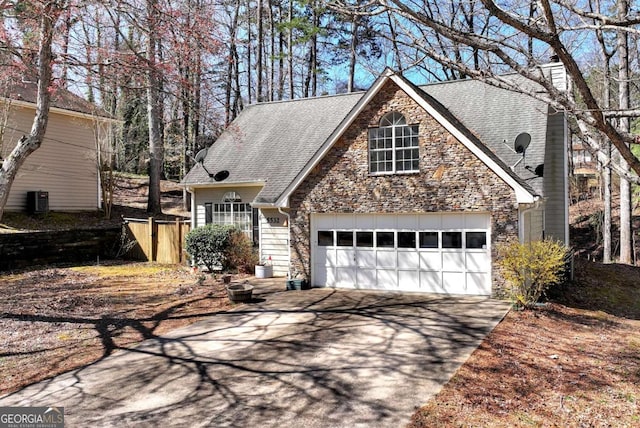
(231, 210)
(393, 145)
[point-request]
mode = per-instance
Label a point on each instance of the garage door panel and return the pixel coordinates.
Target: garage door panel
(453, 221)
(476, 221)
(322, 275)
(345, 257)
(430, 222)
(386, 258)
(431, 282)
(477, 262)
(430, 261)
(366, 278)
(365, 222)
(409, 280)
(366, 259)
(345, 277)
(323, 256)
(408, 259)
(478, 283)
(387, 279)
(453, 282)
(452, 261)
(389, 222)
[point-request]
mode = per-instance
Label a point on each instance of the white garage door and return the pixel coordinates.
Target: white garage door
(439, 253)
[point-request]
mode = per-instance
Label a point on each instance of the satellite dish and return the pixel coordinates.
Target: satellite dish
(522, 142)
(540, 170)
(201, 155)
(221, 175)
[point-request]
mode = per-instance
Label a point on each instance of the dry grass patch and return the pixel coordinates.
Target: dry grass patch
(55, 320)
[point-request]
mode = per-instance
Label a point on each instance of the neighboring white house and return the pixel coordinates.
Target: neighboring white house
(400, 187)
(66, 164)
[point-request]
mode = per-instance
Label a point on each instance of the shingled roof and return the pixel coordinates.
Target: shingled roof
(63, 99)
(272, 143)
(497, 116)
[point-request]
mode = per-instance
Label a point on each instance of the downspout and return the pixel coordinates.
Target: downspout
(288, 240)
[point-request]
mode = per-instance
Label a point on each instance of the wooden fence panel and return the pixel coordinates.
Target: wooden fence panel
(160, 241)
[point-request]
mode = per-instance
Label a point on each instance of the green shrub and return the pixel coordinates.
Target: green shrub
(207, 245)
(531, 268)
(221, 247)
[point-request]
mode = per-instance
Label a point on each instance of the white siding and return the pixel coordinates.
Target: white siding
(533, 225)
(274, 243)
(555, 179)
(65, 165)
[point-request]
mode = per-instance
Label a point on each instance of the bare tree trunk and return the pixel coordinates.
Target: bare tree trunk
(290, 50)
(626, 255)
(272, 57)
(259, 71)
(28, 144)
(154, 114)
(606, 227)
(280, 56)
(394, 40)
(352, 53)
(249, 41)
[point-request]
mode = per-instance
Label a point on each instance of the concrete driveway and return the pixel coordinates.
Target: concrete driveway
(316, 358)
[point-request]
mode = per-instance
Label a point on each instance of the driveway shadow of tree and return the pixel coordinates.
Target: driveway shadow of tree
(309, 358)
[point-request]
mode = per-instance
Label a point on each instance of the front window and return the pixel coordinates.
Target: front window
(231, 210)
(393, 146)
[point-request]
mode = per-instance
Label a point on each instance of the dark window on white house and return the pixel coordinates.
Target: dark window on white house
(476, 240)
(385, 239)
(345, 239)
(451, 239)
(429, 240)
(364, 239)
(325, 238)
(406, 240)
(393, 146)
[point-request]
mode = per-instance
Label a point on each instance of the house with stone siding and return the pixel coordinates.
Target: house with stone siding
(399, 188)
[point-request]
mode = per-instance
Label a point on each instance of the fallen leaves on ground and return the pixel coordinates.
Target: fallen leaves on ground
(55, 320)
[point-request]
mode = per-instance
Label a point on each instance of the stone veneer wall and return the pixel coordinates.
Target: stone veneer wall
(451, 179)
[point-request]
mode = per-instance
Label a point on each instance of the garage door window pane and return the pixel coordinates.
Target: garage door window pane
(384, 240)
(345, 239)
(325, 238)
(428, 239)
(476, 239)
(451, 239)
(364, 239)
(406, 240)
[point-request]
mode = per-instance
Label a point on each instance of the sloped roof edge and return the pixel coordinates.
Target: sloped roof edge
(524, 193)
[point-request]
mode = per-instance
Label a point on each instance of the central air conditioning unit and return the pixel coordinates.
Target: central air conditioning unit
(37, 202)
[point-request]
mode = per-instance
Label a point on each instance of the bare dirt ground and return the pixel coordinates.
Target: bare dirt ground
(54, 320)
(573, 362)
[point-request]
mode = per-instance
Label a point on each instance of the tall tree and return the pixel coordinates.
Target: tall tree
(48, 14)
(626, 253)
